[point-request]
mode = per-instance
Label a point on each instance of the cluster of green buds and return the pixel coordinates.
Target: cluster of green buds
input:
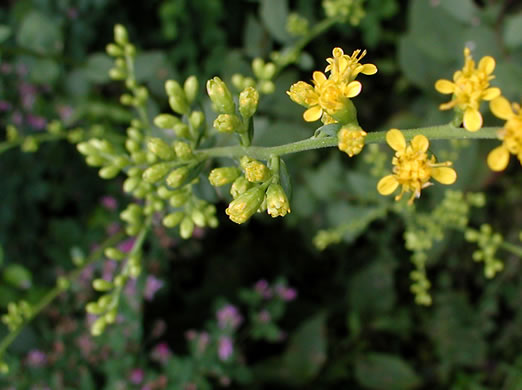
(263, 71)
(255, 187)
(106, 306)
(297, 25)
(228, 120)
(17, 314)
(351, 11)
(101, 153)
(488, 243)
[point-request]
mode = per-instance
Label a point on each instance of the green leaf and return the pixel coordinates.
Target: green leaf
(513, 31)
(462, 10)
(148, 64)
(5, 32)
(97, 68)
(44, 71)
(274, 14)
(18, 276)
(1, 255)
(381, 371)
(40, 33)
(306, 351)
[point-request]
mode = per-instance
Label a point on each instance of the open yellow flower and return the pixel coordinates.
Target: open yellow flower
(469, 87)
(511, 133)
(412, 167)
(325, 98)
(345, 68)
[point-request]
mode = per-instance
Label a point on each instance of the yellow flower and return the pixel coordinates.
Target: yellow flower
(345, 68)
(325, 98)
(469, 87)
(511, 134)
(351, 139)
(412, 167)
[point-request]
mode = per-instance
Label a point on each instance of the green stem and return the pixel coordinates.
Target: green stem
(53, 293)
(4, 146)
(444, 132)
(515, 249)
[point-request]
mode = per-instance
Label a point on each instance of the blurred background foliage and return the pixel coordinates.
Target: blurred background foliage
(354, 323)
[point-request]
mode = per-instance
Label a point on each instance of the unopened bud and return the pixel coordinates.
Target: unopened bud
(240, 186)
(182, 130)
(102, 285)
(227, 123)
(191, 88)
(255, 171)
(198, 218)
(156, 172)
(248, 101)
(245, 205)
(166, 121)
(224, 175)
(173, 219)
(220, 95)
(114, 254)
(109, 172)
(183, 150)
(98, 327)
(186, 228)
(160, 148)
(276, 201)
(120, 35)
(113, 50)
(197, 119)
(177, 177)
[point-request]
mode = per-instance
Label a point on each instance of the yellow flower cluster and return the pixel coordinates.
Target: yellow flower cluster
(412, 167)
(328, 98)
(511, 133)
(469, 87)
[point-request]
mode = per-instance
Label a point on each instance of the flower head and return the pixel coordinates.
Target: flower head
(225, 348)
(510, 134)
(351, 139)
(345, 68)
(229, 317)
(412, 167)
(469, 87)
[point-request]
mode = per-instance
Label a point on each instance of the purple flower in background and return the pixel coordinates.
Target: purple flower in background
(126, 246)
(109, 267)
(27, 94)
(65, 112)
(17, 118)
(109, 202)
(136, 376)
(37, 122)
(286, 293)
(4, 105)
(152, 285)
(229, 317)
(161, 353)
(225, 348)
(264, 316)
(263, 289)
(36, 358)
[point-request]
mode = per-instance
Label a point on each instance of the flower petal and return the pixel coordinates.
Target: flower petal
(369, 69)
(472, 120)
(313, 113)
(487, 64)
(498, 158)
(387, 185)
(501, 108)
(420, 142)
(396, 140)
(353, 89)
(445, 86)
(319, 77)
(444, 175)
(491, 93)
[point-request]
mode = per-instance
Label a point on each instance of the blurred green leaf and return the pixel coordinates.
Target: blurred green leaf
(40, 33)
(44, 71)
(513, 31)
(274, 14)
(382, 371)
(255, 38)
(17, 276)
(97, 68)
(462, 10)
(1, 255)
(5, 32)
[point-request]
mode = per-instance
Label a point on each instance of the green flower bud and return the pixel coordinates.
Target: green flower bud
(182, 130)
(139, 157)
(186, 228)
(276, 201)
(248, 101)
(198, 218)
(183, 150)
(12, 133)
(114, 254)
(255, 171)
(120, 34)
(120, 280)
(120, 64)
(220, 95)
(55, 127)
(166, 121)
(86, 149)
(156, 172)
(113, 50)
(191, 88)
(160, 148)
(132, 214)
(173, 219)
(164, 193)
(267, 87)
(63, 283)
(269, 71)
(178, 104)
(224, 175)
(296, 25)
(98, 327)
(117, 74)
(228, 123)
(127, 100)
(109, 172)
(178, 198)
(102, 285)
(93, 308)
(95, 161)
(240, 186)
(245, 205)
(4, 368)
(30, 144)
(110, 317)
(258, 67)
(197, 119)
(177, 177)
(130, 50)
